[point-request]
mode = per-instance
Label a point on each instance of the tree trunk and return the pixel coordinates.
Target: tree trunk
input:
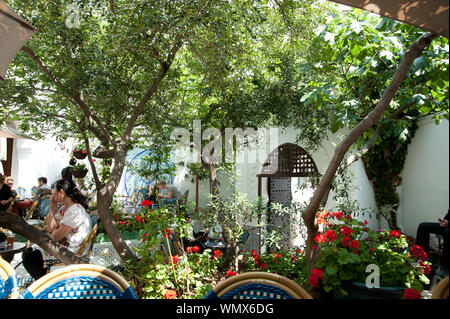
(104, 200)
(18, 225)
(414, 51)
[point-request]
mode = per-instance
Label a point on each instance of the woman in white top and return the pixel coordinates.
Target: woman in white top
(71, 222)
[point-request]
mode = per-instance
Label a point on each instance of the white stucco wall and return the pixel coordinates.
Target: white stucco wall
(248, 182)
(424, 193)
(33, 159)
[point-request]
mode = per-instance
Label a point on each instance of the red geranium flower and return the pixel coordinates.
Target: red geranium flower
(337, 214)
(174, 260)
(412, 294)
(217, 253)
(346, 231)
(167, 233)
(395, 233)
(139, 219)
(426, 269)
(330, 235)
(189, 250)
(170, 294)
(195, 249)
(146, 202)
(263, 266)
(320, 238)
(418, 252)
(230, 273)
(354, 244)
(346, 240)
(318, 272)
(254, 252)
(313, 281)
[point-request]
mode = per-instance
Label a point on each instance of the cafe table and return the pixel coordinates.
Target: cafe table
(9, 251)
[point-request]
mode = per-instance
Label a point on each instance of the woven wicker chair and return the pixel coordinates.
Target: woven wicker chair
(440, 291)
(8, 281)
(83, 281)
(33, 207)
(258, 285)
(9, 209)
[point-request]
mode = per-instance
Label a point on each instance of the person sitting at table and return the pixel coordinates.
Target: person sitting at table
(42, 186)
(215, 237)
(151, 194)
(6, 196)
(16, 208)
(192, 239)
(167, 194)
(440, 228)
(19, 207)
(70, 223)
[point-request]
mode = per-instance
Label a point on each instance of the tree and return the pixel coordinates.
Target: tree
(371, 58)
(100, 76)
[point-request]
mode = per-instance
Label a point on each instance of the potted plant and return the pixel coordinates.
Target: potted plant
(79, 154)
(79, 170)
(356, 262)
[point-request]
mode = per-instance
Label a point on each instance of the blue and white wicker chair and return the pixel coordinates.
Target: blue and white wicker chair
(8, 281)
(83, 281)
(258, 285)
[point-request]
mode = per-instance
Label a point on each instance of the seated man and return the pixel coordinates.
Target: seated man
(215, 237)
(168, 194)
(41, 188)
(193, 239)
(423, 239)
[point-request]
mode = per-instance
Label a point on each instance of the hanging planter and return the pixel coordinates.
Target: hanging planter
(79, 173)
(103, 153)
(79, 154)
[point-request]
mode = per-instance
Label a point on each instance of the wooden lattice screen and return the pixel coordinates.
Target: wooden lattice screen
(289, 160)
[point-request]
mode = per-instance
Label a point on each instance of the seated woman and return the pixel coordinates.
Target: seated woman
(71, 223)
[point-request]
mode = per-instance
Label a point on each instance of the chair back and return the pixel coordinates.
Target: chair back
(9, 288)
(33, 207)
(34, 190)
(258, 285)
(83, 281)
(44, 205)
(12, 203)
(244, 240)
(441, 290)
(183, 199)
(90, 239)
(21, 191)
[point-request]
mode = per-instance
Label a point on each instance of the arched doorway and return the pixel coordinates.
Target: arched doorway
(286, 168)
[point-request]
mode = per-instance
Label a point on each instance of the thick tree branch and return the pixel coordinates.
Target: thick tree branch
(77, 98)
(42, 239)
(140, 107)
(414, 51)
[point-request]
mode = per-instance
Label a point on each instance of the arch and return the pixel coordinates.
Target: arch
(288, 160)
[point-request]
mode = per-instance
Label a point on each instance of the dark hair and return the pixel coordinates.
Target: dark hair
(2, 178)
(71, 190)
(72, 161)
(43, 180)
